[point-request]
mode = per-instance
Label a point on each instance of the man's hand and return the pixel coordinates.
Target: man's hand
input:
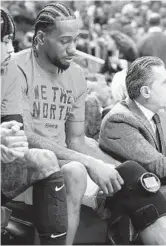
(105, 176)
(13, 141)
(9, 155)
(9, 128)
(16, 141)
(10, 125)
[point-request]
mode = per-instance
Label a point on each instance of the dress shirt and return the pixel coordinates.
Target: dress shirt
(148, 114)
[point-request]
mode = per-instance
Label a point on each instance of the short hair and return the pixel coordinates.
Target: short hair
(126, 45)
(46, 19)
(140, 74)
(154, 19)
(7, 24)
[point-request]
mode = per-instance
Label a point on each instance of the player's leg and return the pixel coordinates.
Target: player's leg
(140, 199)
(75, 176)
(40, 168)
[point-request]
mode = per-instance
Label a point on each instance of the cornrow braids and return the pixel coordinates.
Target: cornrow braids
(62, 8)
(7, 24)
(48, 16)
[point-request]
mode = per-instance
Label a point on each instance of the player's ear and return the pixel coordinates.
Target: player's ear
(40, 37)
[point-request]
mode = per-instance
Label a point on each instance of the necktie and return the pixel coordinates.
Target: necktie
(159, 133)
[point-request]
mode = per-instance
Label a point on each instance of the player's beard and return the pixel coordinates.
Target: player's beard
(60, 65)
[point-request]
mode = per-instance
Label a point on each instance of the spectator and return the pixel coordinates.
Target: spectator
(153, 43)
(98, 98)
(129, 52)
(112, 63)
(118, 86)
(125, 16)
(126, 46)
(121, 50)
(92, 113)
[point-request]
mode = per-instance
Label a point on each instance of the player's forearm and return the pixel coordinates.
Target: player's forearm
(62, 153)
(90, 146)
(37, 141)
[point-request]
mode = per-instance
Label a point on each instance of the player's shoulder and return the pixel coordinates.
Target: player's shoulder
(75, 68)
(23, 56)
(9, 78)
(77, 72)
(12, 66)
(10, 74)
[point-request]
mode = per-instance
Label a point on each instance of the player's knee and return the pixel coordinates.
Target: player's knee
(155, 233)
(74, 170)
(48, 162)
(43, 160)
(139, 196)
(51, 160)
(75, 176)
(144, 203)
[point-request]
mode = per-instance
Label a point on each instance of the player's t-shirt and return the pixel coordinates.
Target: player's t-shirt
(10, 92)
(51, 98)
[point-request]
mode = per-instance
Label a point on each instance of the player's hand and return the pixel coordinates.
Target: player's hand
(14, 139)
(10, 124)
(105, 176)
(9, 128)
(9, 155)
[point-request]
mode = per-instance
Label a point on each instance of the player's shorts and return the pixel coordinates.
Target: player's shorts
(16, 177)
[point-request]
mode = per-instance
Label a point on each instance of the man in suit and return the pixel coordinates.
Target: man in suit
(130, 131)
(153, 42)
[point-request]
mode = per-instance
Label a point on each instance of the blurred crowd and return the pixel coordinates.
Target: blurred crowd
(113, 31)
(98, 19)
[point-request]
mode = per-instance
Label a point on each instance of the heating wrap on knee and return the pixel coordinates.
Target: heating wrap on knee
(139, 197)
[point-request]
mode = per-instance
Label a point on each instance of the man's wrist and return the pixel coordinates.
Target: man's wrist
(91, 162)
(85, 159)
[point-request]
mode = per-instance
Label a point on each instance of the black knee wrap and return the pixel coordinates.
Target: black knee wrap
(50, 209)
(4, 199)
(137, 198)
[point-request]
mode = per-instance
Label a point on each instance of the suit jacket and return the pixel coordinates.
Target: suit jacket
(126, 134)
